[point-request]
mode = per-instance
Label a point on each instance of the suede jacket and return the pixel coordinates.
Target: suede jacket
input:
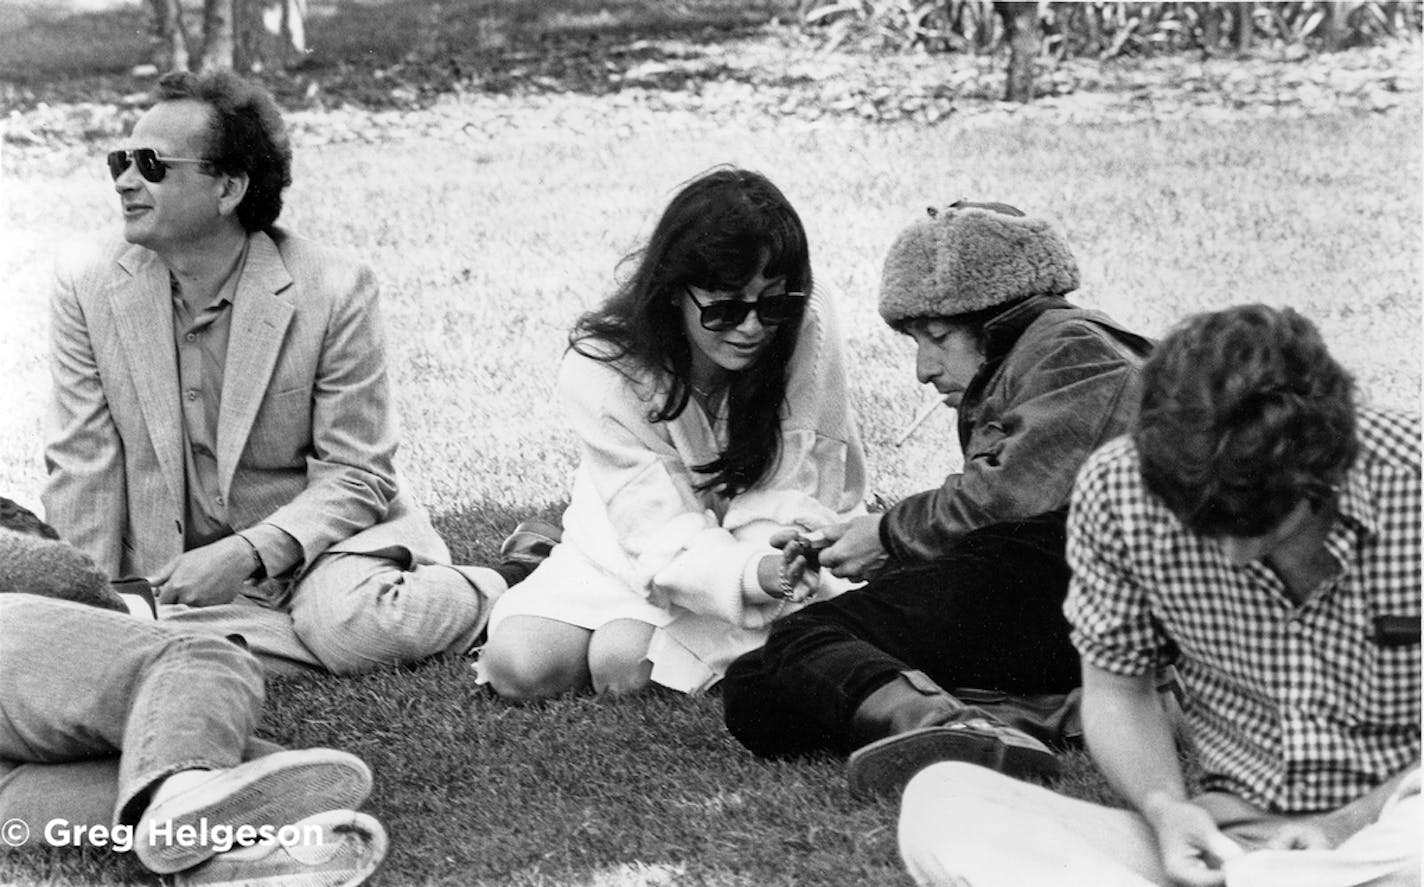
(1058, 381)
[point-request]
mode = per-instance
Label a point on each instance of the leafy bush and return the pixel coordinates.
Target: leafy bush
(1110, 29)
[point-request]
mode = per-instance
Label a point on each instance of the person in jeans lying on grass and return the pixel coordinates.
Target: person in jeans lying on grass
(966, 580)
(119, 731)
(709, 397)
(221, 419)
(1262, 532)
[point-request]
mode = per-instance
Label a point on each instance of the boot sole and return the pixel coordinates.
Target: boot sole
(884, 767)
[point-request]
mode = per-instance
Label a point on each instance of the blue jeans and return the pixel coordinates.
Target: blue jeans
(97, 707)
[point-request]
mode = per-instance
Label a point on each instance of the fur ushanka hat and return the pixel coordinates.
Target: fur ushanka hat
(972, 256)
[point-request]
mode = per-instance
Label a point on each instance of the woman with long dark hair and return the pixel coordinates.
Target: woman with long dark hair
(709, 395)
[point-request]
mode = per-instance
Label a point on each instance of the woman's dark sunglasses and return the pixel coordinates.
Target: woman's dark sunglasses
(726, 314)
(150, 165)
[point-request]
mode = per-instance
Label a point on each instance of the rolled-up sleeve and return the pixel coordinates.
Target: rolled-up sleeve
(1107, 607)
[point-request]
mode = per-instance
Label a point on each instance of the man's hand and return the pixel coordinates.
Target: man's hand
(207, 576)
(856, 552)
(1255, 829)
(1302, 833)
(1193, 849)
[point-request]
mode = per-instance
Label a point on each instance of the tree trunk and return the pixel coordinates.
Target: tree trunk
(1245, 23)
(1210, 16)
(219, 45)
(294, 27)
(1391, 19)
(983, 29)
(1334, 25)
(169, 36)
(252, 35)
(1021, 29)
(1092, 28)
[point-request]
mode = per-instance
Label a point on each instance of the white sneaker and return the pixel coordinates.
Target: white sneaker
(185, 827)
(338, 848)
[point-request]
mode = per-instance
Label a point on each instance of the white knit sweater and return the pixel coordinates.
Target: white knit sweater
(634, 511)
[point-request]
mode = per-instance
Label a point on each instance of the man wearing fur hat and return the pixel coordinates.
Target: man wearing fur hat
(966, 580)
(1259, 529)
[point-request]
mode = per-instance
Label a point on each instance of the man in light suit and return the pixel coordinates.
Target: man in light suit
(221, 419)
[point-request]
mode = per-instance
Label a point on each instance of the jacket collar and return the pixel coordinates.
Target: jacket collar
(1000, 335)
(261, 311)
(1003, 331)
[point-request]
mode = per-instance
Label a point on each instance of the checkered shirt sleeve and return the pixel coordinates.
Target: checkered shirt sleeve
(1294, 707)
(1108, 606)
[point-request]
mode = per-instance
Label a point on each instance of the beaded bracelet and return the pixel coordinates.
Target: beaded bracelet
(786, 589)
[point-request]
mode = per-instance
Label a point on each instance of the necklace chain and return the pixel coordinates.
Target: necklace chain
(706, 398)
(707, 393)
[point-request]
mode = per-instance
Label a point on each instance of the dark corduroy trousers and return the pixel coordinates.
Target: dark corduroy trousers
(987, 616)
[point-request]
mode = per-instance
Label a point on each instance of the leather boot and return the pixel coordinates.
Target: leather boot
(907, 703)
(912, 722)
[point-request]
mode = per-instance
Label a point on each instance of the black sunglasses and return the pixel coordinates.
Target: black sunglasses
(726, 314)
(150, 165)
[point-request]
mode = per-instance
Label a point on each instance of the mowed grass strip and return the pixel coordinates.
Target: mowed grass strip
(489, 250)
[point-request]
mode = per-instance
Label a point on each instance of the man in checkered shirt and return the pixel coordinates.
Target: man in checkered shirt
(1260, 532)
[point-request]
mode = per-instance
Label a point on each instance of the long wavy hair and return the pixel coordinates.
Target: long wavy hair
(713, 235)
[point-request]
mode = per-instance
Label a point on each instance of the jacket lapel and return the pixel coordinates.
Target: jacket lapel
(143, 315)
(259, 325)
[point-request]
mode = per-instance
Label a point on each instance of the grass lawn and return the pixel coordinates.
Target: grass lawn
(489, 250)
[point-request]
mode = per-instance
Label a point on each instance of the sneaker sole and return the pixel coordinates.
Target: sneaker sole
(277, 789)
(240, 869)
(884, 767)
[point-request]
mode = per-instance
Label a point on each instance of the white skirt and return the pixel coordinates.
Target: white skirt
(690, 652)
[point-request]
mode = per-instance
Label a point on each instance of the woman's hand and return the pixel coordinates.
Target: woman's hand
(795, 575)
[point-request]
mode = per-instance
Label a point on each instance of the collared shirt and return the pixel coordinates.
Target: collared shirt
(1295, 707)
(200, 337)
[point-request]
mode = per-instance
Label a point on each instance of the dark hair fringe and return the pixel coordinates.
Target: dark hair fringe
(1244, 415)
(712, 235)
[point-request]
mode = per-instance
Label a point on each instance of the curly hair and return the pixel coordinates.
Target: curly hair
(1244, 415)
(247, 137)
(714, 234)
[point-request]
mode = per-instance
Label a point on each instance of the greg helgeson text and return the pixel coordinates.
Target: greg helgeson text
(221, 837)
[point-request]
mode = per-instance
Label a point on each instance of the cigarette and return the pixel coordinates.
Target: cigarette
(925, 412)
